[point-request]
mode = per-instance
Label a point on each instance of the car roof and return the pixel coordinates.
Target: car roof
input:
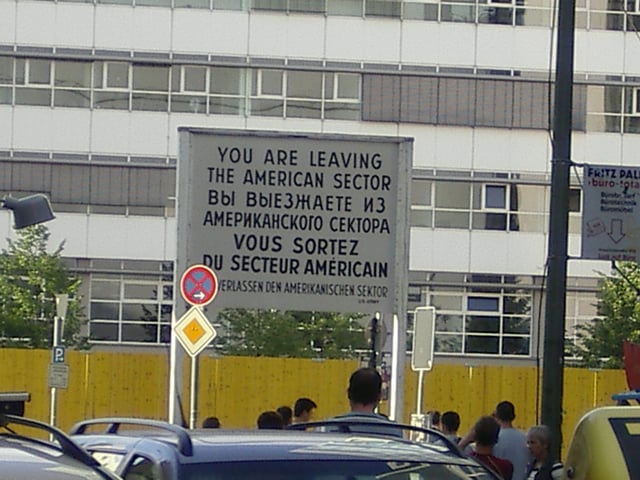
(229, 445)
(24, 459)
(29, 456)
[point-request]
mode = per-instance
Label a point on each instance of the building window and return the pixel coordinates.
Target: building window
(492, 320)
(383, 8)
(304, 94)
(189, 89)
(130, 309)
(33, 82)
(112, 85)
(72, 84)
(267, 93)
(635, 102)
(342, 96)
(227, 87)
(581, 309)
(421, 202)
(452, 203)
(575, 200)
(495, 197)
(150, 87)
(6, 80)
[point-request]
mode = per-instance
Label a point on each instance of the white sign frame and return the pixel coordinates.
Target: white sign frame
(327, 267)
(611, 213)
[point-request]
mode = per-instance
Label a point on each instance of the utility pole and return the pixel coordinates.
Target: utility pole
(553, 357)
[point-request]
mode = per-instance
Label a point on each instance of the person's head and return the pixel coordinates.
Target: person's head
(270, 421)
(538, 438)
(365, 386)
(211, 422)
(303, 409)
(434, 415)
(286, 413)
(450, 422)
(486, 431)
(505, 412)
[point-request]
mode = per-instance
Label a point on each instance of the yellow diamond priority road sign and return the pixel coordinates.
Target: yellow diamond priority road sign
(194, 331)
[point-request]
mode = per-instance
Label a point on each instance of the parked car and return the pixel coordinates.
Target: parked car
(605, 445)
(26, 454)
(161, 451)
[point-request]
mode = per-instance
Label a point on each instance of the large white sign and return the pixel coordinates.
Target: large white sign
(293, 221)
(611, 213)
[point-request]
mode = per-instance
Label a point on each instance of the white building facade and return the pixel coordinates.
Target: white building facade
(92, 95)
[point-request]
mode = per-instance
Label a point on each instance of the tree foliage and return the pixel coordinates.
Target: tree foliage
(273, 333)
(30, 278)
(600, 341)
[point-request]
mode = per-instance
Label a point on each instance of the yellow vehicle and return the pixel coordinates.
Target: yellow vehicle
(605, 445)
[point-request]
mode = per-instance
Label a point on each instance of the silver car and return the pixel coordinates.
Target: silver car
(27, 454)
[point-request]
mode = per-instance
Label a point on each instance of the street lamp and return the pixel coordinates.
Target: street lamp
(29, 210)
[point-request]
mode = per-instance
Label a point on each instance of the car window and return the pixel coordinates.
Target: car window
(142, 468)
(332, 470)
(627, 431)
(108, 460)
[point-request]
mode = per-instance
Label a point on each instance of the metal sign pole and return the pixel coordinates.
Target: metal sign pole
(176, 357)
(420, 392)
(193, 392)
(53, 390)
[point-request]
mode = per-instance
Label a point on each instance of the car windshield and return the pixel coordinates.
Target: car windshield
(332, 470)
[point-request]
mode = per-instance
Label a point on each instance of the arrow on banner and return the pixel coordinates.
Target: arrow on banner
(615, 232)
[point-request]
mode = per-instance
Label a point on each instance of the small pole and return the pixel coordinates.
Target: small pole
(420, 391)
(193, 392)
(53, 390)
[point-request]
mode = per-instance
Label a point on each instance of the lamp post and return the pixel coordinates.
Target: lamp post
(555, 303)
(29, 210)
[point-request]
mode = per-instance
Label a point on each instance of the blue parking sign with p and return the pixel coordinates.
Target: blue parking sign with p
(57, 354)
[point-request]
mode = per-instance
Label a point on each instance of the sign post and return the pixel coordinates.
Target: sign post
(58, 372)
(423, 342)
(198, 286)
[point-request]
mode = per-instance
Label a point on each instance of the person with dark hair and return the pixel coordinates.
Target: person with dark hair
(303, 410)
(434, 419)
(512, 443)
(286, 413)
(543, 466)
(364, 392)
(211, 422)
(485, 434)
(270, 420)
(450, 423)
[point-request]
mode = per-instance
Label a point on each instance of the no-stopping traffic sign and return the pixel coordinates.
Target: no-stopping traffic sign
(198, 285)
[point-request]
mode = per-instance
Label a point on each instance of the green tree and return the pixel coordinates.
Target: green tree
(276, 333)
(30, 278)
(600, 341)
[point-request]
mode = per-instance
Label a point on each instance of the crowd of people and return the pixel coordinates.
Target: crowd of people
(496, 443)
(493, 440)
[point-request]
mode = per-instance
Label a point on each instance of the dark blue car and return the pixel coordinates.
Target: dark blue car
(156, 450)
